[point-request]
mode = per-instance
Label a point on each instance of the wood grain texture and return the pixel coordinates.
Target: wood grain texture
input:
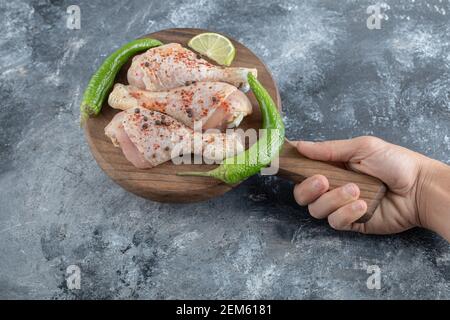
(295, 167)
(161, 183)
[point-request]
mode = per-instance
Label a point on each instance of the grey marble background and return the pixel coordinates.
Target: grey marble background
(337, 79)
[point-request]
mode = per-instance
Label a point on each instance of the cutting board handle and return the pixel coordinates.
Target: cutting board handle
(295, 167)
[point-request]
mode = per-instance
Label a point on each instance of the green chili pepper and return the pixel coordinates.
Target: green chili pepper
(259, 155)
(103, 79)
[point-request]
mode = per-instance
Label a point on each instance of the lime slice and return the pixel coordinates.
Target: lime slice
(214, 46)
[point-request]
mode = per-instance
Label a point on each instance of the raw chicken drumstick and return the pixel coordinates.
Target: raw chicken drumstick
(149, 138)
(215, 104)
(170, 66)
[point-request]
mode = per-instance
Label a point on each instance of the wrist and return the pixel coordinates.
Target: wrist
(433, 197)
(423, 190)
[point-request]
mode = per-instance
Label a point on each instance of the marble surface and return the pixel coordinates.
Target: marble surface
(337, 79)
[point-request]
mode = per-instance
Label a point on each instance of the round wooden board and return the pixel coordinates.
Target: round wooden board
(161, 183)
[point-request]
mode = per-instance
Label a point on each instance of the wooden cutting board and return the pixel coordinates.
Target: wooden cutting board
(162, 184)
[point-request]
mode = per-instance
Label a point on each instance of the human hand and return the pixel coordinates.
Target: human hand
(407, 174)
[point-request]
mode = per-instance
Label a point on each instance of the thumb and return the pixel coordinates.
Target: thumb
(337, 150)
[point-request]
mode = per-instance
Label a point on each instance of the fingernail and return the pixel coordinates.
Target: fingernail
(350, 189)
(357, 205)
(317, 184)
(292, 143)
(307, 142)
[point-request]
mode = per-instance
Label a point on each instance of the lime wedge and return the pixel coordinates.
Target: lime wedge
(214, 46)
